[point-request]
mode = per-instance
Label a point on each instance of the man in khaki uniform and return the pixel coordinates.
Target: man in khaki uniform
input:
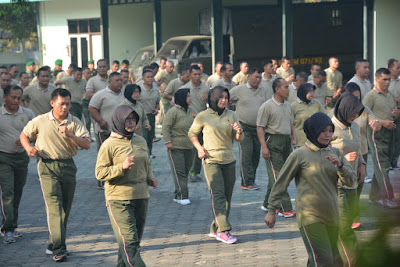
(76, 85)
(114, 67)
(13, 70)
(383, 104)
(394, 88)
(334, 79)
(204, 76)
(86, 74)
(276, 133)
(174, 85)
(199, 95)
(267, 77)
(321, 93)
(226, 79)
(301, 78)
(125, 78)
(163, 78)
(37, 96)
(216, 75)
(285, 71)
(274, 67)
(5, 80)
(315, 67)
(23, 80)
(13, 159)
(242, 76)
(361, 76)
(67, 73)
(30, 69)
(59, 135)
(248, 98)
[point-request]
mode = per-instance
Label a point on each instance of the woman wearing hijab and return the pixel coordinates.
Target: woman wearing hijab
(175, 129)
(131, 95)
(347, 139)
(123, 164)
(303, 108)
(366, 119)
(316, 167)
(219, 126)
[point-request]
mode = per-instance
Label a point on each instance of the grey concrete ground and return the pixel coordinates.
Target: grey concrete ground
(174, 235)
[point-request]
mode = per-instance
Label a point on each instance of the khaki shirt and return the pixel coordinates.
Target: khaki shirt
(212, 79)
(204, 78)
(320, 93)
(217, 134)
(310, 77)
(248, 101)
(124, 184)
(77, 89)
(365, 85)
(11, 126)
(394, 87)
(14, 81)
(292, 93)
(175, 127)
(171, 89)
(149, 98)
(96, 83)
(240, 78)
(50, 142)
(1, 96)
(196, 93)
(334, 80)
(316, 182)
(275, 117)
(166, 77)
(222, 82)
(267, 84)
(106, 101)
(143, 120)
(301, 112)
(285, 73)
(38, 99)
(348, 139)
(61, 75)
(380, 104)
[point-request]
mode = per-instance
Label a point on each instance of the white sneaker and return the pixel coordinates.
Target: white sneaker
(264, 208)
(49, 252)
(367, 180)
(182, 201)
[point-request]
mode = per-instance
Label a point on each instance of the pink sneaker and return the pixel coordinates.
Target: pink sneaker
(213, 235)
(226, 237)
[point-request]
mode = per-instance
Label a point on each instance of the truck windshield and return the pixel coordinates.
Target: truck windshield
(172, 49)
(142, 58)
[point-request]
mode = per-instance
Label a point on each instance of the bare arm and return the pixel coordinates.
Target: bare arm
(95, 113)
(261, 138)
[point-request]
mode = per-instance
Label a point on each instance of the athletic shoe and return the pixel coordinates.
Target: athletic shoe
(367, 180)
(356, 225)
(50, 252)
(9, 237)
(213, 235)
(287, 214)
(251, 187)
(387, 203)
(60, 257)
(394, 167)
(17, 234)
(182, 201)
(264, 208)
(155, 140)
(226, 237)
(152, 157)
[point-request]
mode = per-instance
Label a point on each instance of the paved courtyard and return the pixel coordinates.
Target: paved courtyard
(174, 235)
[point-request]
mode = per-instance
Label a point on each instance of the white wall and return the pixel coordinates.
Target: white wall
(53, 20)
(386, 32)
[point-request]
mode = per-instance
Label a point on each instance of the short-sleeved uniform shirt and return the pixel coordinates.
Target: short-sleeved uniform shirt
(240, 78)
(204, 78)
(149, 98)
(1, 96)
(11, 126)
(38, 99)
(196, 93)
(50, 142)
(106, 101)
(292, 93)
(334, 80)
(248, 101)
(285, 73)
(61, 75)
(212, 79)
(96, 83)
(320, 93)
(365, 85)
(166, 77)
(222, 82)
(267, 84)
(275, 117)
(77, 89)
(394, 87)
(380, 104)
(173, 86)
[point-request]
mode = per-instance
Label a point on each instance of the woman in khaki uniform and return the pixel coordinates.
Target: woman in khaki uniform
(303, 108)
(316, 167)
(123, 164)
(175, 129)
(131, 95)
(219, 126)
(347, 139)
